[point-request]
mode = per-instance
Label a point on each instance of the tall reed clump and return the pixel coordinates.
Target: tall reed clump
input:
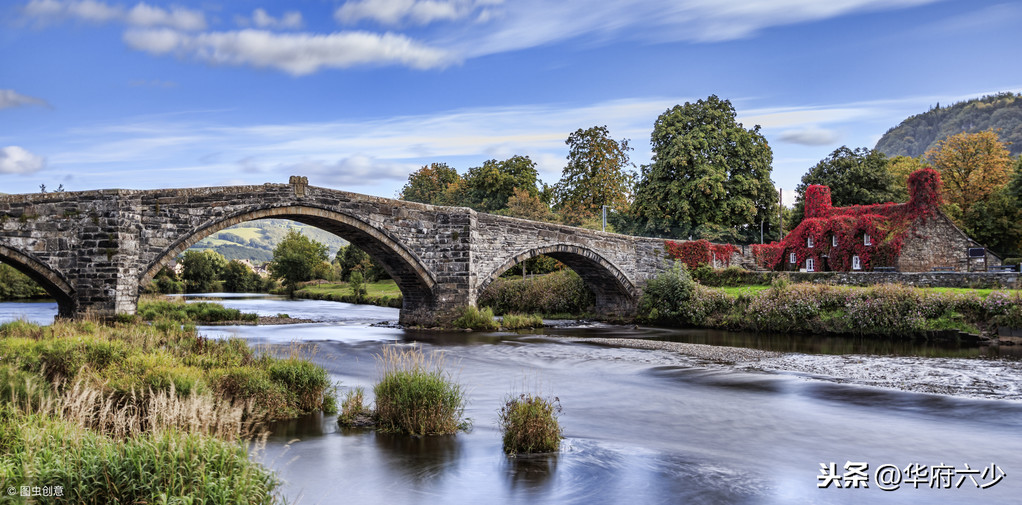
(164, 466)
(416, 395)
(529, 423)
(354, 412)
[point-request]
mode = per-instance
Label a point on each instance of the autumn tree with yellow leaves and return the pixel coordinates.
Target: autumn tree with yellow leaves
(973, 166)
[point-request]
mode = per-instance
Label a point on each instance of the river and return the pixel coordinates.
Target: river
(656, 426)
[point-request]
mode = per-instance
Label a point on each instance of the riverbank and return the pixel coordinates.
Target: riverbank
(382, 293)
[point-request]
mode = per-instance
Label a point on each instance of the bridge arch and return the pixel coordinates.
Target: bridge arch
(414, 280)
(54, 283)
(615, 292)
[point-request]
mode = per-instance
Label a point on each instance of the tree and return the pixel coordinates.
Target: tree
(528, 206)
(855, 177)
(237, 277)
(489, 187)
(352, 259)
(996, 222)
(294, 259)
(430, 184)
(900, 168)
(972, 165)
(201, 269)
(596, 175)
(707, 168)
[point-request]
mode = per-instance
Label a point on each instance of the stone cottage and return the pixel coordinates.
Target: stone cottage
(907, 237)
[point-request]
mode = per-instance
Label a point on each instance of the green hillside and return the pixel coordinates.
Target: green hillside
(914, 136)
(255, 240)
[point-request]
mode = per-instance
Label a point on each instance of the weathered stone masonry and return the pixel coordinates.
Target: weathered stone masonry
(92, 250)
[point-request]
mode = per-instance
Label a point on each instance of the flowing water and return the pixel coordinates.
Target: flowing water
(656, 426)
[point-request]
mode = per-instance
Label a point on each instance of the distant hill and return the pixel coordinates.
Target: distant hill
(914, 136)
(255, 240)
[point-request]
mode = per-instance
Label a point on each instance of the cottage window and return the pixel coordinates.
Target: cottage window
(866, 240)
(809, 242)
(856, 263)
(792, 258)
(833, 240)
(810, 265)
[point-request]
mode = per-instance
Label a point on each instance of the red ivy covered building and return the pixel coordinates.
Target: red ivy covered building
(911, 237)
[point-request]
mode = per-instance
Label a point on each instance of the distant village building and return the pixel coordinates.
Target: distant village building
(907, 237)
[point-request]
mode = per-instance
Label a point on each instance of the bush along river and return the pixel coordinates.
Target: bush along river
(654, 415)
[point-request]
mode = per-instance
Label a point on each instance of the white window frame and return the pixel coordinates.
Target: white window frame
(866, 239)
(833, 240)
(809, 242)
(792, 258)
(810, 265)
(856, 263)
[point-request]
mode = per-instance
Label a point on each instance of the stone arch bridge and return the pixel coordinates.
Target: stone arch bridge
(92, 250)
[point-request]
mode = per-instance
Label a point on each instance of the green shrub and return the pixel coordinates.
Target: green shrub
(529, 424)
(475, 319)
(666, 295)
(416, 396)
(559, 292)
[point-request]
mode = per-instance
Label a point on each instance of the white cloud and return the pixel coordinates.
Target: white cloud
(355, 170)
(18, 160)
(811, 136)
(397, 12)
(141, 15)
(261, 19)
(10, 98)
(297, 54)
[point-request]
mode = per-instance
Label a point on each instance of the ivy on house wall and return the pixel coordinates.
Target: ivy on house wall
(887, 224)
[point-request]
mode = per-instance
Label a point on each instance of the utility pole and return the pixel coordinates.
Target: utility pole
(780, 214)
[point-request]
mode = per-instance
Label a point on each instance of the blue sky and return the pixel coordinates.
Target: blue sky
(357, 94)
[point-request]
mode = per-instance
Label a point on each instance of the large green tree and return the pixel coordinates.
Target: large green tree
(855, 177)
(431, 184)
(596, 175)
(707, 169)
(295, 258)
(488, 188)
(201, 269)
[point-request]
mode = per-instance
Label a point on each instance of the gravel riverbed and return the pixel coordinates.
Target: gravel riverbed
(972, 378)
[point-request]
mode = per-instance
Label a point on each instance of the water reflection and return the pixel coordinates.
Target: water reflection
(531, 474)
(420, 459)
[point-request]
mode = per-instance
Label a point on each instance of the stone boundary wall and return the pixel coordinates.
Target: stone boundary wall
(1007, 280)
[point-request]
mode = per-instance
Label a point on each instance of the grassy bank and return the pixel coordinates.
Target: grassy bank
(89, 467)
(382, 293)
(885, 310)
(143, 413)
(131, 362)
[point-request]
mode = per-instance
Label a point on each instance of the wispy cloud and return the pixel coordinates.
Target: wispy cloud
(420, 12)
(18, 160)
(141, 15)
(10, 98)
(291, 20)
(295, 53)
(811, 136)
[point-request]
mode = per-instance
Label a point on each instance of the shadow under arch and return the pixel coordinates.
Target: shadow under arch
(55, 284)
(414, 280)
(615, 293)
